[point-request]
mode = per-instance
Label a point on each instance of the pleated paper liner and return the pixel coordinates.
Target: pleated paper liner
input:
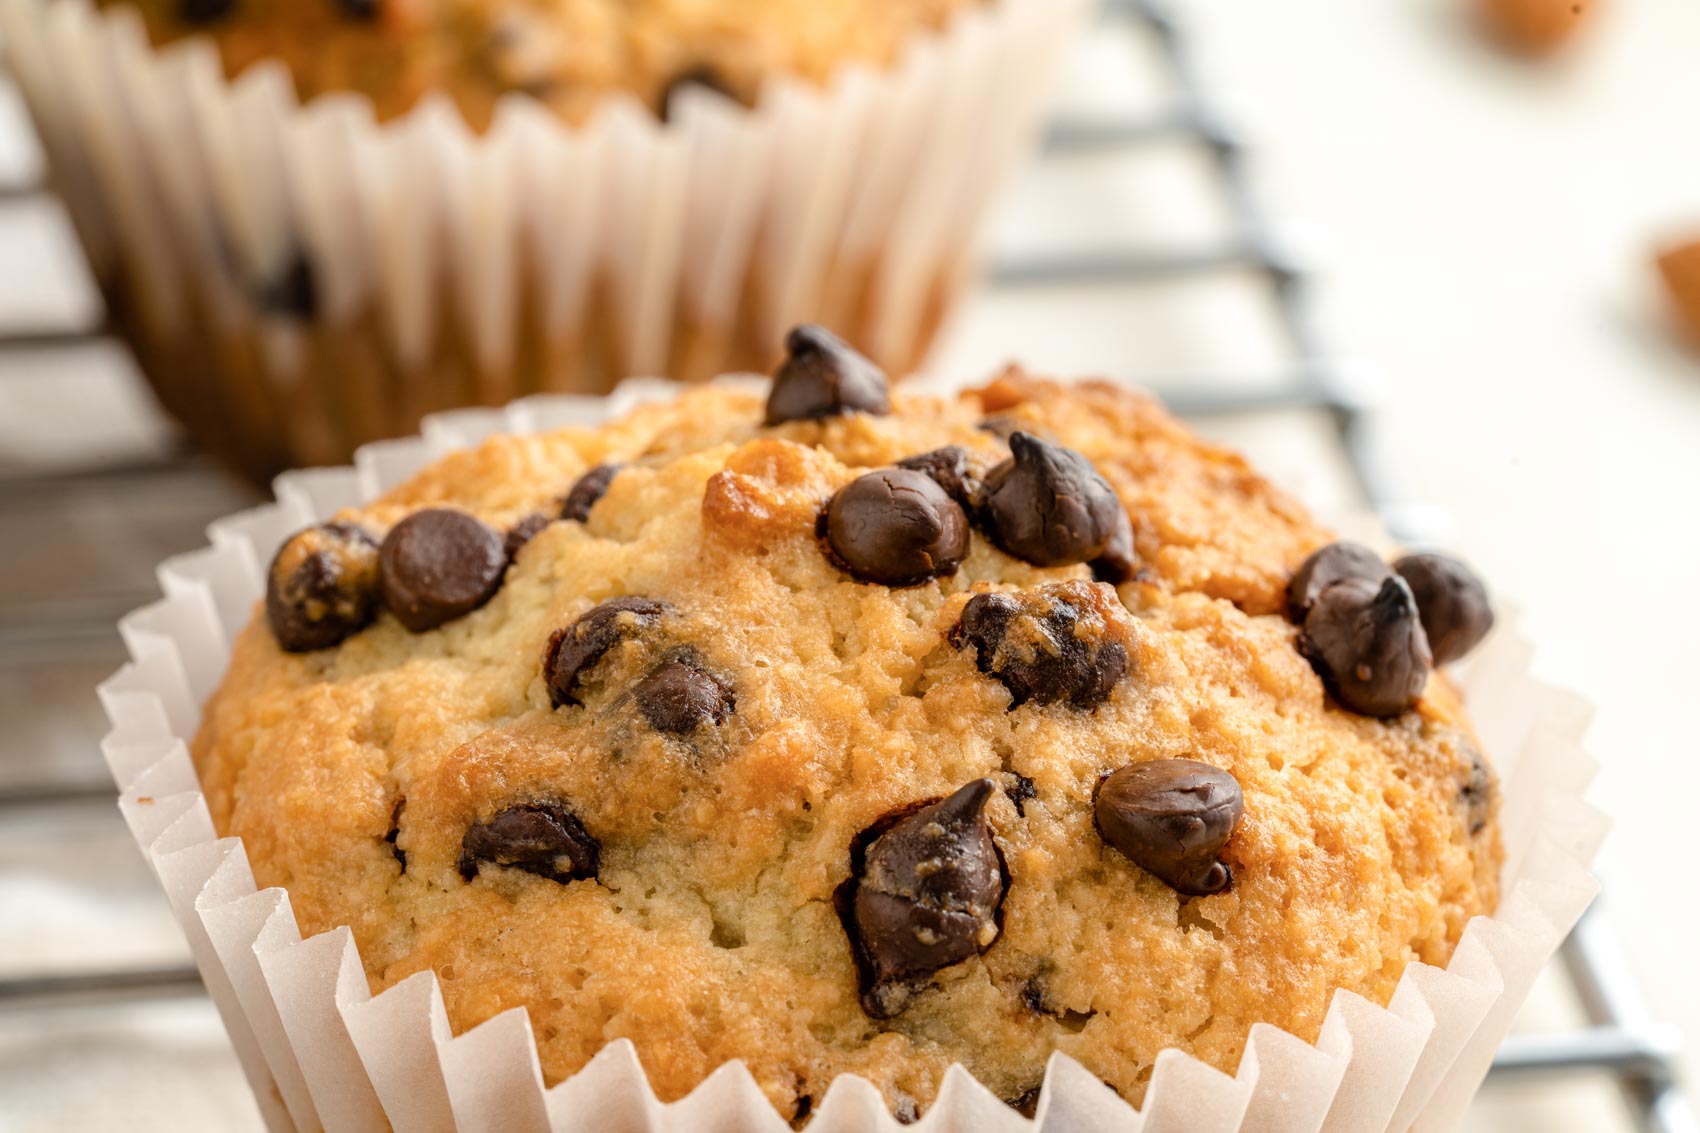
(297, 281)
(321, 1052)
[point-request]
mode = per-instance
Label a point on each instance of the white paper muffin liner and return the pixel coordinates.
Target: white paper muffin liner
(451, 269)
(321, 1052)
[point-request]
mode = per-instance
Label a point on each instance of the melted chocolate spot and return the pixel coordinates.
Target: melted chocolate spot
(1039, 647)
(322, 587)
(581, 645)
(546, 839)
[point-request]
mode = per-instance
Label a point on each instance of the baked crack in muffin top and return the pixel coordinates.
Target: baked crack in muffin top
(853, 731)
(567, 54)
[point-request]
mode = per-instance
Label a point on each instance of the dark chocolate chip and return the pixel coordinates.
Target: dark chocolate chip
(895, 527)
(395, 833)
(927, 895)
(438, 565)
(1172, 817)
(591, 487)
(204, 11)
(951, 468)
(1020, 792)
(804, 1105)
(1452, 602)
(322, 587)
(542, 838)
(359, 9)
(1026, 1103)
(1035, 645)
(522, 533)
(581, 645)
(1049, 506)
(679, 696)
(701, 75)
(1365, 641)
(904, 1108)
(1479, 793)
(1118, 563)
(291, 292)
(1326, 566)
(823, 377)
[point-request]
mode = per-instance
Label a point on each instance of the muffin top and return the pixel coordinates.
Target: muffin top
(850, 731)
(566, 53)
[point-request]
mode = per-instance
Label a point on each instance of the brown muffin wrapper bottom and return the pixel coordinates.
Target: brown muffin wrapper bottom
(349, 390)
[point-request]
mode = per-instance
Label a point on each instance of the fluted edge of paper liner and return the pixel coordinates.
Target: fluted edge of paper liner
(322, 1053)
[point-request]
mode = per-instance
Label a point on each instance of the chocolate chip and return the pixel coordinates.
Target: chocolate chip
(204, 11)
(1021, 792)
(322, 587)
(1326, 566)
(700, 75)
(438, 565)
(581, 645)
(1026, 1103)
(591, 487)
(542, 838)
(395, 833)
(927, 892)
(1452, 602)
(1365, 641)
(1479, 793)
(823, 377)
(804, 1105)
(1033, 996)
(1118, 563)
(291, 292)
(951, 468)
(904, 1108)
(1049, 506)
(895, 527)
(679, 696)
(522, 533)
(1039, 646)
(1172, 817)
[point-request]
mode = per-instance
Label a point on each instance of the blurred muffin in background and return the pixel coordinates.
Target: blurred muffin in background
(317, 221)
(565, 53)
(1679, 267)
(1535, 28)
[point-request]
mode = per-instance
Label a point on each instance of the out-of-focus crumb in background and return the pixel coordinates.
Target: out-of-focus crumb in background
(1679, 264)
(1533, 27)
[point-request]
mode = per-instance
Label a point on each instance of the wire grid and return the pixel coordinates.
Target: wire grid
(1620, 1039)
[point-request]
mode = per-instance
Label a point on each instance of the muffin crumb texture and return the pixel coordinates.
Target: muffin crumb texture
(566, 54)
(683, 753)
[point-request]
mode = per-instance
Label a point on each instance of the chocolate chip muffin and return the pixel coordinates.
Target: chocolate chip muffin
(565, 53)
(848, 731)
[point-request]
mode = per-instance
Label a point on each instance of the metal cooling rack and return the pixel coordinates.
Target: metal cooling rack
(1620, 1039)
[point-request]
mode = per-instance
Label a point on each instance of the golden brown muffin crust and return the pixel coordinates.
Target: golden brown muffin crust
(709, 932)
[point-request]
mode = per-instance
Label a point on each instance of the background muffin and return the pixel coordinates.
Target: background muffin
(657, 777)
(567, 54)
(483, 202)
